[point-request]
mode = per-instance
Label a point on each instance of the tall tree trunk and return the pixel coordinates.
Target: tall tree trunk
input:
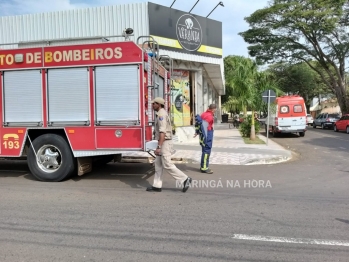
(342, 98)
(307, 103)
(253, 131)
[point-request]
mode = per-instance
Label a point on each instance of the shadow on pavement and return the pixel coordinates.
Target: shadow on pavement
(15, 168)
(185, 168)
(281, 135)
(133, 174)
(330, 143)
(342, 220)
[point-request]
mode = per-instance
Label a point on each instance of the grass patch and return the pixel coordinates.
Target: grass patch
(247, 140)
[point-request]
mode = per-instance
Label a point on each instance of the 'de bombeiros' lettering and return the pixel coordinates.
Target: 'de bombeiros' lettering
(83, 55)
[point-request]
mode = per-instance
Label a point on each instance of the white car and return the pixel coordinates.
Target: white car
(310, 120)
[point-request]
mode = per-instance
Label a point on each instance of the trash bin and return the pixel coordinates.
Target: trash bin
(225, 118)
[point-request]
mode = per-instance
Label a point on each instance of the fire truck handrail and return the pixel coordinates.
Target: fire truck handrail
(170, 80)
(62, 39)
(15, 124)
(155, 50)
(120, 123)
(65, 123)
(171, 63)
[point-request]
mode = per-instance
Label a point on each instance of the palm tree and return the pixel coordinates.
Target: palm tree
(232, 105)
(248, 85)
(241, 75)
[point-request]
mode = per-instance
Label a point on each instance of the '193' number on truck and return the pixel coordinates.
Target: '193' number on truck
(11, 144)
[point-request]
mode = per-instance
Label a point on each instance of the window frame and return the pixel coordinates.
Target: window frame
(294, 111)
(286, 106)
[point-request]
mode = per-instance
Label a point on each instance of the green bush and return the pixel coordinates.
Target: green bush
(245, 126)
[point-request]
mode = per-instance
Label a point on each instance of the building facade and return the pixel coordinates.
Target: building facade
(194, 43)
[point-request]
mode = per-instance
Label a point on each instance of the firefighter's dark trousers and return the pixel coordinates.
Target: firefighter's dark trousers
(206, 151)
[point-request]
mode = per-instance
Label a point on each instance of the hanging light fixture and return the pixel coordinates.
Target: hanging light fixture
(194, 6)
(173, 3)
(220, 3)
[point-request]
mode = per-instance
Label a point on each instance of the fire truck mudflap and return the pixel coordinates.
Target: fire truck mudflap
(63, 106)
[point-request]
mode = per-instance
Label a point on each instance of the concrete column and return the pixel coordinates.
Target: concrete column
(219, 110)
(199, 92)
(214, 97)
(210, 94)
(205, 94)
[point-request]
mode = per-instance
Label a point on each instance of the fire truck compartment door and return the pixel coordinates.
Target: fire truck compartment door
(22, 93)
(119, 138)
(68, 96)
(117, 94)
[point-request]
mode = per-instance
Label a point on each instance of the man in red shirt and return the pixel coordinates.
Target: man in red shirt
(207, 116)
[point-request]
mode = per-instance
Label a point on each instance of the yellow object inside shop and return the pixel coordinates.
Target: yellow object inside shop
(180, 108)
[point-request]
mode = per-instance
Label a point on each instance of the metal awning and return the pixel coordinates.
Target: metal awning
(214, 72)
(213, 66)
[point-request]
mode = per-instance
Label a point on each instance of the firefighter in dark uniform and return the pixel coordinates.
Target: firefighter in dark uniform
(163, 133)
(208, 117)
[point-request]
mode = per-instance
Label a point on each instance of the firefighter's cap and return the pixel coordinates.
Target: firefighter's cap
(158, 100)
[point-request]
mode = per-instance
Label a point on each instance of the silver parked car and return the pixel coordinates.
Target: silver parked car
(326, 120)
(310, 120)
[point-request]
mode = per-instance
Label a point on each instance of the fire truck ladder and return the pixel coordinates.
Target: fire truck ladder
(154, 47)
(167, 62)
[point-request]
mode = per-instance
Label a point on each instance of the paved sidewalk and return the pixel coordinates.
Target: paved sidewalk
(228, 149)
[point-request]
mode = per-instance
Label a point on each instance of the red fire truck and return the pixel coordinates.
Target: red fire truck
(64, 107)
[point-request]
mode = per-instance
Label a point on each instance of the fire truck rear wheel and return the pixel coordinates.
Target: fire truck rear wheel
(53, 159)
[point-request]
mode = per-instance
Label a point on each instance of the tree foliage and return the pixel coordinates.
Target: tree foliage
(299, 79)
(304, 31)
(240, 75)
(247, 85)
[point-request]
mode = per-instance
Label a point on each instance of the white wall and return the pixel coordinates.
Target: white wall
(84, 22)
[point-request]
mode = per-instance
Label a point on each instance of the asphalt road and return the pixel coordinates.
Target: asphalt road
(295, 211)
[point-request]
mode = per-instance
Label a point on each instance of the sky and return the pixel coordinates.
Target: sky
(231, 15)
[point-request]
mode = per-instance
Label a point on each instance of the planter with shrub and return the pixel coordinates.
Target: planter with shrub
(245, 126)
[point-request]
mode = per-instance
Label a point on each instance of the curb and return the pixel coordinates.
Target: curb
(267, 161)
(248, 162)
(143, 159)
